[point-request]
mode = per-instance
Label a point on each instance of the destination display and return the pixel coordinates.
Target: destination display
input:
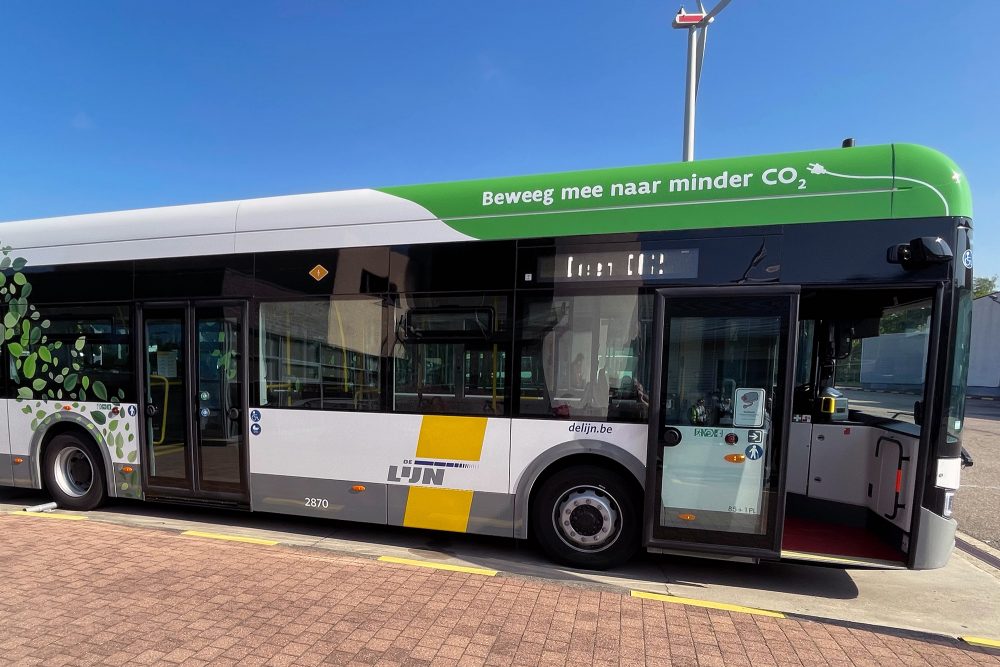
(629, 264)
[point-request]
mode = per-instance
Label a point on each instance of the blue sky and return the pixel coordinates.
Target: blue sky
(116, 105)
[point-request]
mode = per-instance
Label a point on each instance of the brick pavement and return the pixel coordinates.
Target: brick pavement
(91, 593)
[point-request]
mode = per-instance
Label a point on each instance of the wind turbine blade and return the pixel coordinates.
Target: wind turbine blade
(715, 10)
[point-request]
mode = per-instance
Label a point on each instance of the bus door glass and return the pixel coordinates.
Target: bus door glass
(719, 421)
(195, 399)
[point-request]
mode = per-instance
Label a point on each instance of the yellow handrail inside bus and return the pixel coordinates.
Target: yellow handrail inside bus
(166, 398)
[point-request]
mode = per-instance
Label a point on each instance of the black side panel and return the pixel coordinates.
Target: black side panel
(321, 272)
(446, 267)
(80, 283)
(194, 277)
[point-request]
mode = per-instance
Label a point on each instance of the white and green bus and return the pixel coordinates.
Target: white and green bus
(754, 358)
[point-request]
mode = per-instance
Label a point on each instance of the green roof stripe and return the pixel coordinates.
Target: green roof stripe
(866, 183)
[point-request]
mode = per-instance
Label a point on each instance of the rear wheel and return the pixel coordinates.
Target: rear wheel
(73, 473)
(587, 517)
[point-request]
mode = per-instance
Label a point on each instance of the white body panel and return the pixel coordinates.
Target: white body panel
(358, 446)
(838, 465)
(530, 438)
(949, 473)
(22, 432)
(843, 465)
(297, 222)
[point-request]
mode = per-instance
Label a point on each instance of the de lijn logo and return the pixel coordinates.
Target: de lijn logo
(417, 471)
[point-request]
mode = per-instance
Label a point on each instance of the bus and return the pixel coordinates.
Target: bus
(758, 358)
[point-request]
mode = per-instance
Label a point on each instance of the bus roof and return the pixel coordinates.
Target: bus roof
(861, 183)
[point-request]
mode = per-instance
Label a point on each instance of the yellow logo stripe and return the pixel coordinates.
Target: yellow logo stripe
(438, 509)
(452, 438)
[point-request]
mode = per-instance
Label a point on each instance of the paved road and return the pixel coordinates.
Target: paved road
(91, 593)
(960, 599)
(977, 505)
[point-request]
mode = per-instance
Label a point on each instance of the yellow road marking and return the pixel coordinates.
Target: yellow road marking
(981, 641)
(438, 566)
(229, 538)
(49, 515)
(704, 603)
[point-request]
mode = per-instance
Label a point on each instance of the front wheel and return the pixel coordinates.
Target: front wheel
(73, 473)
(587, 517)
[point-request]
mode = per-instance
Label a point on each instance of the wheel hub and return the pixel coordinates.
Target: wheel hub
(586, 518)
(74, 472)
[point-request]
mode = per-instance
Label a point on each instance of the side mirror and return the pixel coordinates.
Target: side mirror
(920, 252)
(918, 413)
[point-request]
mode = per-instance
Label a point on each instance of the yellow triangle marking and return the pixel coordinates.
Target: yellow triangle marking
(438, 566)
(981, 641)
(229, 538)
(705, 603)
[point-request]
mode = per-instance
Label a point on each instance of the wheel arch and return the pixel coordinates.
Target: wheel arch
(567, 455)
(74, 424)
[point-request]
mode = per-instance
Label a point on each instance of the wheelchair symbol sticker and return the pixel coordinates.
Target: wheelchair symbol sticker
(754, 452)
(255, 415)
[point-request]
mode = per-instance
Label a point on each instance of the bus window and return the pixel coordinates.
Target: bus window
(586, 357)
(451, 354)
(883, 375)
(321, 355)
(90, 342)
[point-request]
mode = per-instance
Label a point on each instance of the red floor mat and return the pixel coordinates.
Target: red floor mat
(817, 537)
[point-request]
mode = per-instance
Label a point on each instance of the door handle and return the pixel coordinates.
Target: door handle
(152, 410)
(233, 413)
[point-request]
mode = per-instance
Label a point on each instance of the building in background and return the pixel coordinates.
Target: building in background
(984, 359)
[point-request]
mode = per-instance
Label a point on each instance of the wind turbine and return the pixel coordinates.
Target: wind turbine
(697, 26)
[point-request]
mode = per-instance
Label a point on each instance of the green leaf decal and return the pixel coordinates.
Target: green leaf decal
(131, 437)
(45, 355)
(38, 384)
(98, 417)
(131, 456)
(28, 368)
(26, 409)
(10, 319)
(19, 278)
(71, 381)
(100, 391)
(19, 263)
(113, 424)
(85, 381)
(35, 335)
(15, 349)
(80, 342)
(40, 414)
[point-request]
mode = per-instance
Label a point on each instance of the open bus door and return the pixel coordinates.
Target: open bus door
(720, 405)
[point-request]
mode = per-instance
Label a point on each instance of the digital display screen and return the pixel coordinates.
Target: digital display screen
(638, 264)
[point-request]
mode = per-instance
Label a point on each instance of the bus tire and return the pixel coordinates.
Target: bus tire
(73, 472)
(587, 517)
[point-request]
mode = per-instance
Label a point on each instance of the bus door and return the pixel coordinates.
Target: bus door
(195, 400)
(719, 408)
